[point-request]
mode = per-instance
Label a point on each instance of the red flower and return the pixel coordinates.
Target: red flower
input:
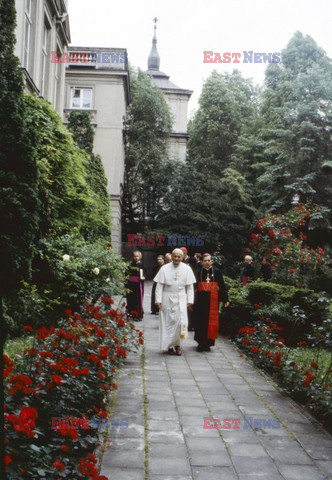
(303, 343)
(28, 328)
(103, 351)
(257, 305)
(291, 270)
(25, 422)
(245, 341)
(277, 251)
(91, 457)
(271, 233)
(56, 379)
(314, 365)
(255, 350)
(64, 448)
(20, 383)
(8, 460)
(67, 431)
(107, 300)
(141, 341)
(59, 465)
(308, 379)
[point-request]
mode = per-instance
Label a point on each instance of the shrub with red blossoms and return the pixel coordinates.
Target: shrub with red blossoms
(282, 238)
(66, 376)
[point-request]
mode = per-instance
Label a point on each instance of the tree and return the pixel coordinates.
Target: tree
(226, 107)
(18, 170)
(79, 124)
(207, 196)
(18, 178)
(148, 126)
(297, 112)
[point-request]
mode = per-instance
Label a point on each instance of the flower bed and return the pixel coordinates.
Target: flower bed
(67, 374)
(304, 371)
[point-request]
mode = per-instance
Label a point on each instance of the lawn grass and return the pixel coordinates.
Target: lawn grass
(16, 346)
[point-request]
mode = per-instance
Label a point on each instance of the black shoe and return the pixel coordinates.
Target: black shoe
(191, 329)
(199, 348)
(207, 349)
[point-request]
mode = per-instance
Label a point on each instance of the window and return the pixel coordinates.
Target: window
(27, 32)
(81, 97)
(43, 82)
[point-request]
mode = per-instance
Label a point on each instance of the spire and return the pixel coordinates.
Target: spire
(154, 59)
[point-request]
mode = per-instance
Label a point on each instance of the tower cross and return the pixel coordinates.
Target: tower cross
(155, 25)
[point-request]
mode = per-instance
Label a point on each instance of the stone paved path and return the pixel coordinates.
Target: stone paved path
(168, 441)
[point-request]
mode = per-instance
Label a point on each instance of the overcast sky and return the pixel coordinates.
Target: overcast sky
(188, 27)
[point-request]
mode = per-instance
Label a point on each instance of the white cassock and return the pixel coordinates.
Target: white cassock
(174, 290)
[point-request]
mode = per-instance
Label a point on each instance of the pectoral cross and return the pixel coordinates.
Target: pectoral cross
(208, 278)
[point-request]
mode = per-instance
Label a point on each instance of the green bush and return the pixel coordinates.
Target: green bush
(292, 308)
(67, 271)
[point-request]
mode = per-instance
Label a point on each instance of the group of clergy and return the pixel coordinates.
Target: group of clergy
(174, 296)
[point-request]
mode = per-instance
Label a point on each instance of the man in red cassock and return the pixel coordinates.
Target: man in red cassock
(210, 290)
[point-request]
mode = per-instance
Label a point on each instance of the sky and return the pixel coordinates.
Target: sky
(186, 28)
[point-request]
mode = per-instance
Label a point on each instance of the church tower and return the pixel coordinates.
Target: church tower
(177, 99)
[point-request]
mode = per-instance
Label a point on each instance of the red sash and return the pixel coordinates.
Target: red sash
(214, 307)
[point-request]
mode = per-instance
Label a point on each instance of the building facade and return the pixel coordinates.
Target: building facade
(177, 99)
(42, 27)
(97, 81)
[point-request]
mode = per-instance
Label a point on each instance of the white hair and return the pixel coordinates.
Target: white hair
(177, 251)
(248, 257)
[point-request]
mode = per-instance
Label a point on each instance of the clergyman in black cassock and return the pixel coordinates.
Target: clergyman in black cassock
(211, 289)
(135, 287)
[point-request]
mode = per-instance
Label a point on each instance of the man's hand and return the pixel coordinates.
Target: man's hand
(226, 304)
(142, 278)
(158, 305)
(190, 306)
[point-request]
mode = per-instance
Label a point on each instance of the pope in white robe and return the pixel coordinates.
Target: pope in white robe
(174, 292)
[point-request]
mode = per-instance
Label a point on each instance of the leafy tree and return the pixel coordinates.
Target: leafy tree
(79, 124)
(148, 126)
(67, 200)
(18, 178)
(18, 170)
(208, 195)
(226, 107)
(297, 113)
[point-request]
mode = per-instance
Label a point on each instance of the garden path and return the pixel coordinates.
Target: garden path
(166, 397)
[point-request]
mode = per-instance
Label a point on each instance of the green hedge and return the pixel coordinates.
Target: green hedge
(294, 309)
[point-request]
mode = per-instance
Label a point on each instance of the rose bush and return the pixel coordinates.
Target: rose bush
(283, 238)
(304, 370)
(68, 374)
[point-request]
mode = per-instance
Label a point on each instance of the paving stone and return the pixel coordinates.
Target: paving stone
(169, 466)
(289, 454)
(205, 444)
(169, 450)
(214, 473)
(257, 465)
(212, 459)
(247, 450)
(325, 466)
(301, 472)
(123, 473)
(199, 431)
(167, 477)
(117, 457)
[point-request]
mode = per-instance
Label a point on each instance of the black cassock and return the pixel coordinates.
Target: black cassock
(154, 308)
(136, 285)
(202, 303)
